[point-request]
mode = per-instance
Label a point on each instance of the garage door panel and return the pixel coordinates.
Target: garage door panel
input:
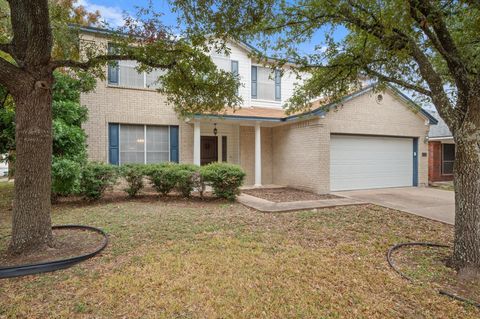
(362, 162)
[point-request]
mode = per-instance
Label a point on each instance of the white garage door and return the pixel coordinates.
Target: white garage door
(362, 162)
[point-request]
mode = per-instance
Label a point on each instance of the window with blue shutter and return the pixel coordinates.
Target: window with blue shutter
(112, 67)
(174, 144)
(254, 82)
(113, 143)
(278, 85)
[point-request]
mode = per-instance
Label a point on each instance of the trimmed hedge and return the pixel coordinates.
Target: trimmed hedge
(133, 175)
(95, 178)
(163, 176)
(224, 178)
(65, 177)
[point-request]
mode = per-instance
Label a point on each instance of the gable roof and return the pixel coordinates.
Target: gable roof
(279, 115)
(439, 130)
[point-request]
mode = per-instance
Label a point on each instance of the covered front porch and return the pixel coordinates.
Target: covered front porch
(247, 143)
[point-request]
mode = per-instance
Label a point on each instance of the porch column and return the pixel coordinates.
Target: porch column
(196, 142)
(258, 155)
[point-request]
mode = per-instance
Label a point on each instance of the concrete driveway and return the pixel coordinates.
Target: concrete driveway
(428, 202)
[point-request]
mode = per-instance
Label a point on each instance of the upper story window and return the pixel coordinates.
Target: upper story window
(266, 84)
(125, 74)
(225, 63)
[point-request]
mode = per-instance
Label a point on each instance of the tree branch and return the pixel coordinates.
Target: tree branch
(399, 40)
(442, 41)
(10, 75)
(6, 47)
(104, 59)
(402, 83)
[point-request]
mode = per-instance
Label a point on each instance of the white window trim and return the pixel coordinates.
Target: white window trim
(144, 87)
(145, 141)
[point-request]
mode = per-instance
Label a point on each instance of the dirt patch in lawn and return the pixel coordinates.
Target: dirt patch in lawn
(429, 265)
(286, 194)
(67, 243)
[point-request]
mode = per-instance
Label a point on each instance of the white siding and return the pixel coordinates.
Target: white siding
(245, 63)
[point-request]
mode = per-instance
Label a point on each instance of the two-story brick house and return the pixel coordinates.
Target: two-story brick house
(367, 140)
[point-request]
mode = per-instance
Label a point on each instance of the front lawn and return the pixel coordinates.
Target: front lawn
(189, 259)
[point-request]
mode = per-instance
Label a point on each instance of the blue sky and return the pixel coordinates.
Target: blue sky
(113, 10)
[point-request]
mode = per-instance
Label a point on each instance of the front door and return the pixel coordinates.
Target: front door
(208, 149)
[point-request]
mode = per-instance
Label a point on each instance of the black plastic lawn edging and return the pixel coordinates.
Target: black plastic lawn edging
(31, 269)
(441, 292)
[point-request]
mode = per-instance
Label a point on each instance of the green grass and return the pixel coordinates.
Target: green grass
(185, 259)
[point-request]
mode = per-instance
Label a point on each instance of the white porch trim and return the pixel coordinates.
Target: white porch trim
(196, 142)
(258, 155)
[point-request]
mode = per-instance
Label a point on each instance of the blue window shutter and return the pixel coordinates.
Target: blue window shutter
(113, 143)
(235, 69)
(112, 67)
(278, 85)
(254, 82)
(174, 144)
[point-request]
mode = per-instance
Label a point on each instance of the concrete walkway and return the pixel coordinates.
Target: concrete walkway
(266, 206)
(428, 202)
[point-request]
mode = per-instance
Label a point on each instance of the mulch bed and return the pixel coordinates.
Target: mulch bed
(67, 243)
(286, 194)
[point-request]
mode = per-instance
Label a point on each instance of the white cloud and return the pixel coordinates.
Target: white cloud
(112, 15)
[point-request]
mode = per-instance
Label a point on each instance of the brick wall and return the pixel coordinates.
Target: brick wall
(301, 156)
(435, 163)
(390, 117)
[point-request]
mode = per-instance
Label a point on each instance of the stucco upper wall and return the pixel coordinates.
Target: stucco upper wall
(364, 115)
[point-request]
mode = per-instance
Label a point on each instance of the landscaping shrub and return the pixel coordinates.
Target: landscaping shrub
(96, 178)
(184, 180)
(224, 178)
(133, 174)
(163, 176)
(65, 177)
(198, 183)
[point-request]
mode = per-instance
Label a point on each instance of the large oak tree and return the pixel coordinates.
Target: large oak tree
(30, 32)
(429, 47)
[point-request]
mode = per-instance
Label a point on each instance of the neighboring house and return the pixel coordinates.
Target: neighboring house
(441, 152)
(367, 140)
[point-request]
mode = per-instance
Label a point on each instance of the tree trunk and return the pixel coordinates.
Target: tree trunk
(466, 253)
(31, 224)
